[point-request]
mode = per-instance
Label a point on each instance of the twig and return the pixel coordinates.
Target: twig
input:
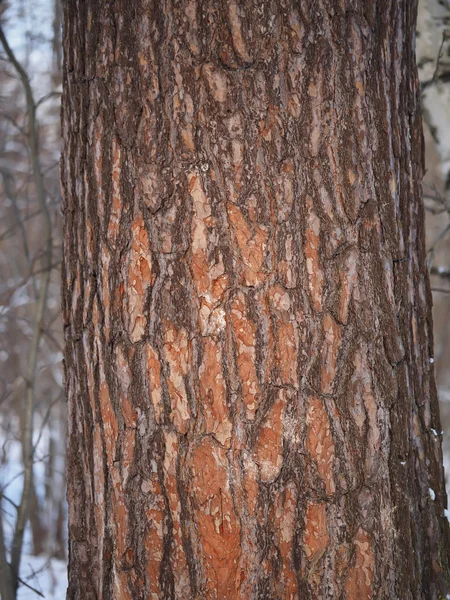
(30, 587)
(8, 180)
(22, 284)
(47, 97)
(443, 272)
(437, 197)
(435, 77)
(11, 120)
(432, 249)
(435, 211)
(44, 421)
(9, 232)
(444, 35)
(9, 500)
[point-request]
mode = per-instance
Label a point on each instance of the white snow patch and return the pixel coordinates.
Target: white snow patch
(48, 575)
(45, 574)
(444, 395)
(432, 494)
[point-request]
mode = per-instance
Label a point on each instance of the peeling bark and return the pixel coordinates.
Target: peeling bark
(246, 304)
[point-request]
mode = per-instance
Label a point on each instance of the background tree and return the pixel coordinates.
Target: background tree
(32, 509)
(246, 304)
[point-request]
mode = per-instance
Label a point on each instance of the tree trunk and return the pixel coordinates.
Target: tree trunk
(252, 406)
(38, 530)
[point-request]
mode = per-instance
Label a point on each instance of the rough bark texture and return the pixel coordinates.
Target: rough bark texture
(252, 407)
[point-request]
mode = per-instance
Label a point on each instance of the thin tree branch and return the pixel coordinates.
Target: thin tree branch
(433, 246)
(443, 272)
(9, 232)
(2, 496)
(52, 94)
(19, 128)
(45, 420)
(8, 180)
(435, 211)
(439, 56)
(23, 283)
(30, 587)
(436, 76)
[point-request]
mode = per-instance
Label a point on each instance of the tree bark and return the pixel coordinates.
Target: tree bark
(252, 405)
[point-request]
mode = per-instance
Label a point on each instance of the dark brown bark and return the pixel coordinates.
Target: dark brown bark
(252, 406)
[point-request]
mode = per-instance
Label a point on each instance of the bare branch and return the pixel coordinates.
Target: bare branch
(2, 496)
(432, 249)
(436, 197)
(52, 94)
(27, 585)
(24, 282)
(439, 56)
(45, 420)
(10, 193)
(11, 231)
(13, 122)
(436, 76)
(443, 272)
(435, 211)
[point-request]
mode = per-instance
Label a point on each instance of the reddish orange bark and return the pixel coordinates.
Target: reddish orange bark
(246, 304)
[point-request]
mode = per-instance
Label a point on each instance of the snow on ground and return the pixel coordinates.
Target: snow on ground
(444, 404)
(44, 574)
(48, 576)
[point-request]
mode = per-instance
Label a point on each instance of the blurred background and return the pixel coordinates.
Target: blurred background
(30, 254)
(30, 324)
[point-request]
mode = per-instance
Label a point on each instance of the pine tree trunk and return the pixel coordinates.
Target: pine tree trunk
(252, 406)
